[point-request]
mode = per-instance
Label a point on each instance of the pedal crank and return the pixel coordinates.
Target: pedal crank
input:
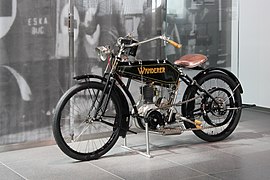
(197, 123)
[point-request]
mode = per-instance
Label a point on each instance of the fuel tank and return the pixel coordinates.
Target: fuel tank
(158, 72)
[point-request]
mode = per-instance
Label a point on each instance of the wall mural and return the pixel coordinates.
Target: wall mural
(28, 69)
(34, 48)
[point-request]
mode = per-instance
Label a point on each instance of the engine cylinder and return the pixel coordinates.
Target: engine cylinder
(148, 93)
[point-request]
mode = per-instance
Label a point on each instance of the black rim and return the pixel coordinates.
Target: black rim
(80, 134)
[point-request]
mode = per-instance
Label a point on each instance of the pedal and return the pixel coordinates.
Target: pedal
(198, 124)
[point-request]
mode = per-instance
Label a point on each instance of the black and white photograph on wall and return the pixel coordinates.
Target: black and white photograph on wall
(35, 68)
(101, 22)
(28, 89)
(35, 64)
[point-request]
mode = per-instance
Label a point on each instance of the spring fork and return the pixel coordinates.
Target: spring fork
(104, 91)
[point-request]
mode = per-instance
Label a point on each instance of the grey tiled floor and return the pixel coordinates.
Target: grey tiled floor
(244, 155)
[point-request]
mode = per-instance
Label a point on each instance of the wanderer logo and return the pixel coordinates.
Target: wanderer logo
(158, 70)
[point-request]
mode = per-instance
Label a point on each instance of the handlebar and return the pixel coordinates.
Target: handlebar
(163, 37)
(175, 44)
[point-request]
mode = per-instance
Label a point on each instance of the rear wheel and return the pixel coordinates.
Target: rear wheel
(220, 116)
(76, 132)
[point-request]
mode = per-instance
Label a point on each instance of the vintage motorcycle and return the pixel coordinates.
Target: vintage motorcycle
(91, 115)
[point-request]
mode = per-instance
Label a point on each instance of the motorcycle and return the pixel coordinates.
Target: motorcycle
(92, 115)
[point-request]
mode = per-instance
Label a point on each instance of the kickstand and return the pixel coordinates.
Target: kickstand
(248, 105)
(147, 154)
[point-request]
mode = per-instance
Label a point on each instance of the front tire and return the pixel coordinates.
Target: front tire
(218, 122)
(76, 133)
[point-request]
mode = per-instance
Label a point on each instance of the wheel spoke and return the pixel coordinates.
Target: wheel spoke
(220, 113)
(84, 137)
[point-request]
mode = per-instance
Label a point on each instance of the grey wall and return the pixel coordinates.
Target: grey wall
(254, 62)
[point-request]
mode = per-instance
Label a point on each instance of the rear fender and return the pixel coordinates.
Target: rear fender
(187, 107)
(225, 71)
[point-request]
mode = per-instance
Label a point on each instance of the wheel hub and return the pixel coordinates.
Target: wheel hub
(220, 108)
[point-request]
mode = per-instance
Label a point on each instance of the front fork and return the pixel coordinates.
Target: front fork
(105, 97)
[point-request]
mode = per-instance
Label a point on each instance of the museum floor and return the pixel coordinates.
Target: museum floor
(245, 155)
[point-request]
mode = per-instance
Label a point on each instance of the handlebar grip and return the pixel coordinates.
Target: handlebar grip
(175, 44)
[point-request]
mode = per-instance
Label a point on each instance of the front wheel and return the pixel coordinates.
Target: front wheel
(76, 132)
(221, 113)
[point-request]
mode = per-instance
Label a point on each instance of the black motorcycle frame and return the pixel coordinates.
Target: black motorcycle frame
(113, 77)
(109, 94)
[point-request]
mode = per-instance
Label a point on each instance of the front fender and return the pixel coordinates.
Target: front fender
(125, 112)
(88, 77)
(225, 71)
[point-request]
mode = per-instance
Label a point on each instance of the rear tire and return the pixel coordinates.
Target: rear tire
(222, 120)
(76, 133)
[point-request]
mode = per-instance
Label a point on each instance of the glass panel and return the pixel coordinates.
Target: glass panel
(208, 27)
(35, 68)
(34, 53)
(150, 25)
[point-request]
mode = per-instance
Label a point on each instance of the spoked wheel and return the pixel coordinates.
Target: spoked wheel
(76, 132)
(216, 112)
(221, 113)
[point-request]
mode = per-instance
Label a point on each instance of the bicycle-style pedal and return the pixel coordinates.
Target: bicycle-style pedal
(198, 124)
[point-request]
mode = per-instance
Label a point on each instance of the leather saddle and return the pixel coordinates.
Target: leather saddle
(191, 60)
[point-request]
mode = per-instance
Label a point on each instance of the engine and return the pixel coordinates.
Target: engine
(151, 100)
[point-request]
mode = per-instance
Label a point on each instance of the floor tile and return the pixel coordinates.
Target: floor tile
(243, 155)
(7, 173)
(260, 173)
(37, 169)
(139, 167)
